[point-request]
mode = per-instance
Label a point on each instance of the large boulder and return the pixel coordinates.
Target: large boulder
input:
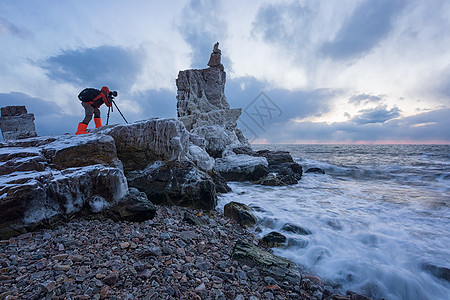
(141, 143)
(242, 167)
(176, 183)
(38, 181)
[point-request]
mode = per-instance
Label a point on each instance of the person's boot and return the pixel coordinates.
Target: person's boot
(98, 122)
(81, 128)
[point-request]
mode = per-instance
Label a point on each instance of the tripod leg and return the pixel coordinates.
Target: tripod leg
(107, 118)
(119, 111)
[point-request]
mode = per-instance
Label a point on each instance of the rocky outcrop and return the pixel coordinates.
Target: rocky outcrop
(205, 112)
(43, 179)
(50, 178)
(315, 170)
(203, 107)
(16, 123)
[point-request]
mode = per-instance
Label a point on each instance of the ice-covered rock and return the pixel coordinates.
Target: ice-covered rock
(201, 158)
(141, 143)
(242, 167)
(204, 109)
(44, 178)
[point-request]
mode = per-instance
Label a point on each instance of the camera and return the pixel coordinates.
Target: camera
(113, 94)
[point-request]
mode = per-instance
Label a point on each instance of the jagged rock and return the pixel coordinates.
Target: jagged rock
(16, 123)
(134, 207)
(175, 183)
(204, 110)
(215, 59)
(240, 213)
(273, 239)
(242, 167)
(315, 170)
(278, 267)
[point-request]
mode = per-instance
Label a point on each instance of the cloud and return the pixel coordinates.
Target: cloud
(379, 114)
(365, 99)
(433, 129)
(369, 24)
(201, 26)
(116, 67)
(6, 27)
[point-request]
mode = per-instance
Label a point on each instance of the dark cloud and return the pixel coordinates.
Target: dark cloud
(379, 114)
(115, 67)
(201, 26)
(6, 27)
(365, 99)
(367, 26)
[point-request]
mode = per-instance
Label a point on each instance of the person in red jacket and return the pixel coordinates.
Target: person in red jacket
(92, 99)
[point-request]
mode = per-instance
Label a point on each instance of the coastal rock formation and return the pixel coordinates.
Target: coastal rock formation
(203, 107)
(49, 178)
(41, 179)
(205, 112)
(16, 123)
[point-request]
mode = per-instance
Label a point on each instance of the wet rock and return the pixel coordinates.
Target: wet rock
(288, 227)
(439, 272)
(268, 263)
(175, 183)
(315, 170)
(240, 213)
(273, 239)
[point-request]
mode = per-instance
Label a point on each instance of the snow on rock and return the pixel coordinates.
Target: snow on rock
(242, 167)
(143, 142)
(201, 158)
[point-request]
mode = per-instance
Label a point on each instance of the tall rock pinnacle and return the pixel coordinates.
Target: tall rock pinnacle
(204, 109)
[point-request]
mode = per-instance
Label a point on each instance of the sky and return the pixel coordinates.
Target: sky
(306, 71)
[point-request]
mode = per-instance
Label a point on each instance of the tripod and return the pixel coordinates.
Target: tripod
(111, 109)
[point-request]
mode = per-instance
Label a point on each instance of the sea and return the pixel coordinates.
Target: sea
(379, 217)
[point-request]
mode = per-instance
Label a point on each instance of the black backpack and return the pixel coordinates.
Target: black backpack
(87, 95)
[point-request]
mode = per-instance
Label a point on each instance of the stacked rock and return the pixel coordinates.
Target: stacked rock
(16, 123)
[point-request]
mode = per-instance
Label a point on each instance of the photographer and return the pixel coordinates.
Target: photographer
(91, 100)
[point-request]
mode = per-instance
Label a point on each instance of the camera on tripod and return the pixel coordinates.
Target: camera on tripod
(112, 94)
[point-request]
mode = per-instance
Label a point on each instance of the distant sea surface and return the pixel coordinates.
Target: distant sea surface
(379, 217)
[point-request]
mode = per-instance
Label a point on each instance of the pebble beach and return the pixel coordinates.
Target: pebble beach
(167, 257)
